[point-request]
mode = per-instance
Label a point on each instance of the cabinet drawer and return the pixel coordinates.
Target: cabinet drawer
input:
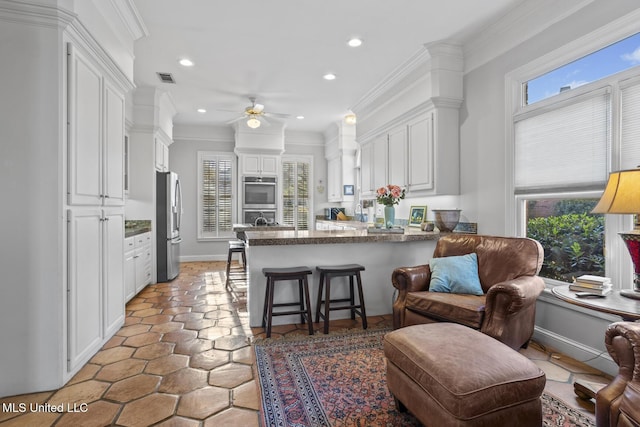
(129, 243)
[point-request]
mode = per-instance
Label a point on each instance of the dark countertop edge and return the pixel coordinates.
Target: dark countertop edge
(320, 240)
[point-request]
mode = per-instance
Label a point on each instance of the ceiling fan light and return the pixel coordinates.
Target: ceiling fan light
(253, 123)
(350, 119)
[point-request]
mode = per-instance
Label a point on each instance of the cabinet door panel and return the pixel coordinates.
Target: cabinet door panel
(366, 170)
(380, 161)
(398, 157)
(113, 271)
(85, 130)
(269, 165)
(84, 276)
(251, 164)
(421, 154)
(129, 275)
(114, 148)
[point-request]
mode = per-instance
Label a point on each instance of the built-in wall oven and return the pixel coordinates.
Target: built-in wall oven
(249, 216)
(259, 193)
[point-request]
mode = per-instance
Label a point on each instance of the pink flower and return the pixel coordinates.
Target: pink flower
(381, 191)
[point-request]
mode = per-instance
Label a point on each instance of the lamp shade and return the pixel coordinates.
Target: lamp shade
(622, 194)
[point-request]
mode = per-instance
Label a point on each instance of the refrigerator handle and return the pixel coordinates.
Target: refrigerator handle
(179, 204)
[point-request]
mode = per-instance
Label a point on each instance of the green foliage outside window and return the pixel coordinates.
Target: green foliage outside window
(573, 240)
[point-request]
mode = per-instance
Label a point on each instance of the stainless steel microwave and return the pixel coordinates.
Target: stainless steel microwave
(259, 192)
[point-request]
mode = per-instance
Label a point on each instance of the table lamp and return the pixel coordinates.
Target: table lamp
(622, 196)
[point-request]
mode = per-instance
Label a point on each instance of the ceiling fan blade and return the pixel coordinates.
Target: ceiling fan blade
(258, 108)
(281, 115)
(235, 120)
(264, 121)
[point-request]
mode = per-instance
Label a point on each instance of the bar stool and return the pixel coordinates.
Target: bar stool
(292, 273)
(235, 246)
(327, 273)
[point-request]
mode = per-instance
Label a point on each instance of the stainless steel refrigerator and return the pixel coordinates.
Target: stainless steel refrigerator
(168, 220)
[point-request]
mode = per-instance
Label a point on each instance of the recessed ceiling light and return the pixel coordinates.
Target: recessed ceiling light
(354, 42)
(299, 117)
(329, 76)
(202, 110)
(186, 62)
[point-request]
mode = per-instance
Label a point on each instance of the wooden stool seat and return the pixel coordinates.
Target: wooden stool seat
(235, 246)
(328, 272)
(304, 301)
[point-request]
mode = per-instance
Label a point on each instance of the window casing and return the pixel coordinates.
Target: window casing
(564, 147)
(216, 200)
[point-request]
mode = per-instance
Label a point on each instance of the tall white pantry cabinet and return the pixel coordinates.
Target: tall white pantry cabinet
(95, 205)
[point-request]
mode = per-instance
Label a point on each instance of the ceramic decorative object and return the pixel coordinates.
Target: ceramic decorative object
(427, 226)
(389, 216)
(446, 219)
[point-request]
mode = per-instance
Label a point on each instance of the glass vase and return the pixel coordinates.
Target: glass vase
(389, 216)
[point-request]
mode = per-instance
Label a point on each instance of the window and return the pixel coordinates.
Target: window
(565, 143)
(296, 203)
(605, 62)
(215, 195)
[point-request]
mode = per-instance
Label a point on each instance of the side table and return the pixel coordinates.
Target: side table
(613, 303)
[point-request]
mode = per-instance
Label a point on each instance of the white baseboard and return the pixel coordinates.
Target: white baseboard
(194, 258)
(578, 351)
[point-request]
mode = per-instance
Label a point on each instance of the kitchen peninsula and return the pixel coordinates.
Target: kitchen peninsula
(379, 253)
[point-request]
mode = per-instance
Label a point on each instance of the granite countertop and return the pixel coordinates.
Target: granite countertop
(307, 237)
(349, 223)
(135, 227)
(249, 227)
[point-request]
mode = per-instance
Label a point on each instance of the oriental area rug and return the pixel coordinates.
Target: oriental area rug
(339, 380)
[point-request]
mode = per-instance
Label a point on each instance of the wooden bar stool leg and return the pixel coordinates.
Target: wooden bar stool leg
(301, 298)
(308, 300)
(327, 303)
(363, 311)
(352, 298)
(266, 303)
(244, 260)
(270, 308)
(319, 301)
(229, 256)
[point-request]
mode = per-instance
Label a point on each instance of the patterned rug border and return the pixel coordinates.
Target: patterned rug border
(562, 413)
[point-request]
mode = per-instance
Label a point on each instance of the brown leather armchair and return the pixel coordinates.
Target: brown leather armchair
(507, 267)
(618, 404)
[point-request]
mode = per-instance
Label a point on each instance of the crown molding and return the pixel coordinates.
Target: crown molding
(130, 17)
(521, 23)
(419, 58)
(35, 14)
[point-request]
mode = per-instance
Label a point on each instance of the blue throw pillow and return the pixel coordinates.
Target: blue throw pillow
(455, 274)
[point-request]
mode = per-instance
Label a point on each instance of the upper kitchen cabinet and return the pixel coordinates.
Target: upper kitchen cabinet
(259, 165)
(410, 132)
(340, 153)
(96, 134)
(161, 156)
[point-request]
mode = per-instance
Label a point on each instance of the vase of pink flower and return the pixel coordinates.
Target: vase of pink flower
(389, 196)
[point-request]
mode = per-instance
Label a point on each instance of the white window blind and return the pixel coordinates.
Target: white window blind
(630, 127)
(295, 192)
(563, 147)
(215, 196)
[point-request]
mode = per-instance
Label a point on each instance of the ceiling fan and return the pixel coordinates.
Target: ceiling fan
(255, 115)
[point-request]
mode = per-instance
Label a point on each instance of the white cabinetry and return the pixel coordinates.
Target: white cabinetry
(95, 294)
(258, 165)
(96, 135)
(137, 263)
(366, 171)
(95, 200)
(161, 156)
(414, 156)
(334, 180)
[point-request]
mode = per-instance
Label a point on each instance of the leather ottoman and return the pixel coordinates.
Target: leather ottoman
(447, 374)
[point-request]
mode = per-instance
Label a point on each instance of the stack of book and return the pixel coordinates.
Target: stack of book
(591, 284)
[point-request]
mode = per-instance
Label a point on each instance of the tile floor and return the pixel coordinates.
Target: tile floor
(183, 358)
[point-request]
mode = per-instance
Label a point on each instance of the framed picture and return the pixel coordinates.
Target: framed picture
(417, 214)
(348, 190)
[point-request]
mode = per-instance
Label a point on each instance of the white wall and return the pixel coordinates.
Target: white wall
(484, 164)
